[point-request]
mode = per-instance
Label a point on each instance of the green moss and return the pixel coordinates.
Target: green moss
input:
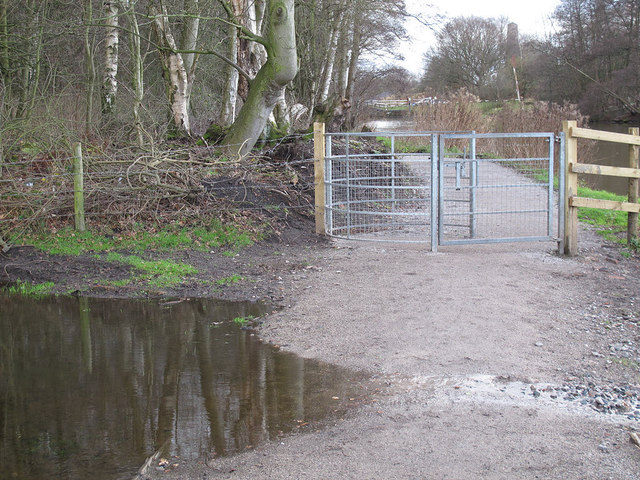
(229, 280)
(158, 273)
(30, 289)
(215, 134)
(213, 235)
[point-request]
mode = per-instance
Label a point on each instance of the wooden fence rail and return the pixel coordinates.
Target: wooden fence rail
(573, 168)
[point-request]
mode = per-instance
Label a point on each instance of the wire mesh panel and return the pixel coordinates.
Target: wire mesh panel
(502, 190)
(379, 192)
(482, 188)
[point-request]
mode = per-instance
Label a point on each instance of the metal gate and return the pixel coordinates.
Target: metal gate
(481, 188)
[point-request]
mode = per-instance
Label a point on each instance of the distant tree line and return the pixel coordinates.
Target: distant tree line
(592, 59)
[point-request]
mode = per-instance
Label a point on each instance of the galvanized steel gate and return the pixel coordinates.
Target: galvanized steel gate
(481, 188)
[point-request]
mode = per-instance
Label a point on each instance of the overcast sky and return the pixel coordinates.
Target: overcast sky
(532, 17)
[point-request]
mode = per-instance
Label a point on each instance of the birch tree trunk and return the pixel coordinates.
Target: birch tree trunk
(249, 15)
(344, 55)
(174, 68)
(353, 63)
(189, 41)
(327, 73)
(232, 76)
(270, 82)
(112, 43)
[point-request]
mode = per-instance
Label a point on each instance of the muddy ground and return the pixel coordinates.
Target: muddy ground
(494, 362)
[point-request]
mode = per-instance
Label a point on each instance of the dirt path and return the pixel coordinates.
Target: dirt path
(494, 359)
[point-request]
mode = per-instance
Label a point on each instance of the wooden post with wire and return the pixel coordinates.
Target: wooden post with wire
(319, 153)
(632, 222)
(78, 187)
(571, 189)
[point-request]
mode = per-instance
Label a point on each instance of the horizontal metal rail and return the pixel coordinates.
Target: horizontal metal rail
(493, 212)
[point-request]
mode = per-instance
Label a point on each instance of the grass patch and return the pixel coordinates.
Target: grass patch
(69, 242)
(229, 280)
(490, 108)
(612, 220)
(403, 145)
(158, 273)
(212, 236)
(30, 290)
(243, 321)
(610, 223)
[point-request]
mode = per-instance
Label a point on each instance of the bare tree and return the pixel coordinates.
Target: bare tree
(598, 44)
(468, 54)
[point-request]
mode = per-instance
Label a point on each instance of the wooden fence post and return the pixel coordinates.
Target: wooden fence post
(571, 190)
(78, 187)
(318, 168)
(632, 222)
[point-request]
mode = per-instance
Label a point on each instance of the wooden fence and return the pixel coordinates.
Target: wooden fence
(574, 167)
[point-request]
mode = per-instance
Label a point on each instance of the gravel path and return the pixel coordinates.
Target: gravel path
(494, 362)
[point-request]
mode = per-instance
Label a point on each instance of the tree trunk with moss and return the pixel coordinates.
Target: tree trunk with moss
(268, 86)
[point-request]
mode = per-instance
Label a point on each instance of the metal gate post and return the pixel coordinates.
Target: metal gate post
(434, 192)
(393, 179)
(473, 183)
(348, 166)
(561, 193)
(328, 209)
(550, 184)
(441, 156)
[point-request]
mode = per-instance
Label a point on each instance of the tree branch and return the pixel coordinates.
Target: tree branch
(247, 34)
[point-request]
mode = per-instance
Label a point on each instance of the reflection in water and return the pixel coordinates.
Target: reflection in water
(90, 388)
(391, 125)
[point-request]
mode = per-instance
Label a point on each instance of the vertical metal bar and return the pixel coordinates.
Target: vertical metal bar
(329, 192)
(561, 193)
(348, 165)
(393, 178)
(441, 157)
(329, 186)
(550, 185)
(473, 184)
(434, 193)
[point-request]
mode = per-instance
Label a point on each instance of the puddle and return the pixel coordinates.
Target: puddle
(91, 388)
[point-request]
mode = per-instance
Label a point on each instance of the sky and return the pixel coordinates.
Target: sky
(532, 17)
